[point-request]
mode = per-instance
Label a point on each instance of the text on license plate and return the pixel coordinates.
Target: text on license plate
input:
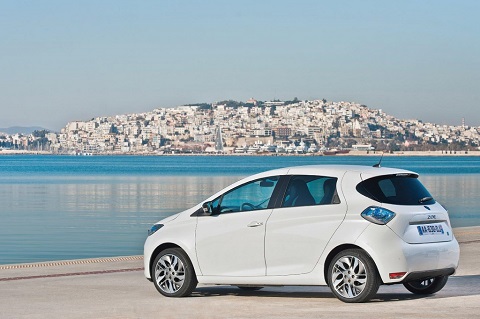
(430, 230)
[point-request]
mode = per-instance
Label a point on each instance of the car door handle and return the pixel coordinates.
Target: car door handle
(255, 224)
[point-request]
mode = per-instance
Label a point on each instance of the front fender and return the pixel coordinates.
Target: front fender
(180, 233)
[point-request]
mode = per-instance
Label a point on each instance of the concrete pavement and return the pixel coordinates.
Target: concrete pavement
(116, 288)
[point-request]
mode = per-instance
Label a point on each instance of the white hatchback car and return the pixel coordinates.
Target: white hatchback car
(352, 228)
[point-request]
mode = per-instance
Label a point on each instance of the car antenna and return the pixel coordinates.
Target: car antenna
(380, 161)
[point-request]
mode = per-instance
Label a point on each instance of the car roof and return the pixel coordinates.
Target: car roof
(335, 170)
(321, 170)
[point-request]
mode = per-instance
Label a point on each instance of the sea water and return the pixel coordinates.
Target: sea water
(66, 207)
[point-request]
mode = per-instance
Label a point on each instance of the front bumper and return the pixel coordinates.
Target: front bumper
(148, 250)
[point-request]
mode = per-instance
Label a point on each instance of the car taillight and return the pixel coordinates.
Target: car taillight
(396, 275)
(378, 215)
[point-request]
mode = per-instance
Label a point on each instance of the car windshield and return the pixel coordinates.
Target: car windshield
(396, 189)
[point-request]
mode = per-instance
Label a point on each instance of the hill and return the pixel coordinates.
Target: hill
(21, 129)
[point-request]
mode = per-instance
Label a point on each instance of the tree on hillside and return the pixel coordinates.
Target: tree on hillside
(232, 103)
(41, 133)
(201, 106)
(295, 100)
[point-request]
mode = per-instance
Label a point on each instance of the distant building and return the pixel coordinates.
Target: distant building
(272, 103)
(218, 140)
(282, 132)
(363, 147)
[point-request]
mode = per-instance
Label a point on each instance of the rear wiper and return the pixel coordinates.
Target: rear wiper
(425, 199)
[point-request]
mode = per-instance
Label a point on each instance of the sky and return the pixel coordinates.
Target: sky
(62, 61)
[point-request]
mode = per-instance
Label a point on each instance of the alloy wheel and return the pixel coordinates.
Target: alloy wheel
(349, 276)
(170, 273)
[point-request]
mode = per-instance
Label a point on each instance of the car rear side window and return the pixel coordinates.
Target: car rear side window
(306, 190)
(396, 189)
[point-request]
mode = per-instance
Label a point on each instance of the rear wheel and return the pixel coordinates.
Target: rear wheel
(426, 286)
(353, 276)
(173, 273)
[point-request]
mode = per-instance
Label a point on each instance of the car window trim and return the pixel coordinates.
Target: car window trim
(279, 192)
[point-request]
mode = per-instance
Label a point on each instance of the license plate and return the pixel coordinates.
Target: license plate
(430, 230)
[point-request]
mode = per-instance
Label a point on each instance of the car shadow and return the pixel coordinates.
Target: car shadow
(286, 292)
(279, 292)
(460, 286)
(456, 286)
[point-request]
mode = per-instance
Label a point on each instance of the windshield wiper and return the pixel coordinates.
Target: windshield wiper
(425, 199)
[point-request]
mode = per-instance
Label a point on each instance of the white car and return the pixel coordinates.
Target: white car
(352, 228)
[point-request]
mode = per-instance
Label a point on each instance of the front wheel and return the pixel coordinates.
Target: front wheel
(173, 273)
(426, 286)
(353, 276)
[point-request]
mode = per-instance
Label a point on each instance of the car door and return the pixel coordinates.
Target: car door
(299, 230)
(230, 241)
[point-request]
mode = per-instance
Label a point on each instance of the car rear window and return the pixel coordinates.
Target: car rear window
(396, 189)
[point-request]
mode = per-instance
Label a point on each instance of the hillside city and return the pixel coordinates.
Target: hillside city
(250, 127)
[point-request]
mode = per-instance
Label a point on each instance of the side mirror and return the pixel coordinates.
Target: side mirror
(207, 208)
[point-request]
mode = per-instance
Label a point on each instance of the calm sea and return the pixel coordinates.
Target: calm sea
(66, 207)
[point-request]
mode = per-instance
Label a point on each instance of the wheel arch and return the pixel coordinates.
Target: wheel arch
(158, 250)
(338, 249)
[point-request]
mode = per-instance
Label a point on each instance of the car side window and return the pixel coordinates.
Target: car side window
(306, 190)
(254, 195)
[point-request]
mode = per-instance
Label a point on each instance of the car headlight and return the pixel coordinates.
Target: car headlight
(154, 228)
(378, 215)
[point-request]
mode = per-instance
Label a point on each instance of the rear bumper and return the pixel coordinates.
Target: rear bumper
(420, 275)
(392, 254)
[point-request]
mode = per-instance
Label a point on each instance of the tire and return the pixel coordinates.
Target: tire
(426, 286)
(353, 276)
(249, 288)
(173, 274)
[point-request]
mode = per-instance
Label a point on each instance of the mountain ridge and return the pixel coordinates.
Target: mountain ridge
(21, 129)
